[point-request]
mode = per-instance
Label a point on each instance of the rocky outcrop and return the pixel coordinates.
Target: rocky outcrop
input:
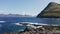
(36, 31)
(51, 11)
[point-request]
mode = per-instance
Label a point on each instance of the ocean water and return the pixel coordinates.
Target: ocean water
(7, 23)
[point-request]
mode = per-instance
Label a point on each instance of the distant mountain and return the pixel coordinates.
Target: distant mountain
(51, 11)
(13, 15)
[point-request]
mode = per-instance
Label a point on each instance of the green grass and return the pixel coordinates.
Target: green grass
(54, 29)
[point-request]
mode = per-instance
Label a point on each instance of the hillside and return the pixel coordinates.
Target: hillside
(51, 11)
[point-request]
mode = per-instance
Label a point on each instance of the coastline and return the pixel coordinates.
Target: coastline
(41, 30)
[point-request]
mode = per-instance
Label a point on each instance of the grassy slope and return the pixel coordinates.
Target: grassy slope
(52, 10)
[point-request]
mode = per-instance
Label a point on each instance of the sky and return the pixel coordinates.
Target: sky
(24, 7)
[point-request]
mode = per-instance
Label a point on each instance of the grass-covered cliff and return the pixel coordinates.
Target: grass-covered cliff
(51, 11)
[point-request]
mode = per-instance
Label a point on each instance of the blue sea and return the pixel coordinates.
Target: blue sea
(9, 26)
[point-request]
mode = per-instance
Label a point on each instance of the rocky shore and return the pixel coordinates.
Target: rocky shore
(36, 31)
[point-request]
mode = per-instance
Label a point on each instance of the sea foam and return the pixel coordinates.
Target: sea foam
(2, 21)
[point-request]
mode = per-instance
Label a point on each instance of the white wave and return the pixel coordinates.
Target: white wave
(17, 24)
(33, 26)
(2, 21)
(31, 23)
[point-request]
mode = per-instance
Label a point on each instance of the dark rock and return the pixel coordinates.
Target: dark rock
(36, 31)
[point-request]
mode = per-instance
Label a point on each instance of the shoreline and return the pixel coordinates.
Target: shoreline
(28, 30)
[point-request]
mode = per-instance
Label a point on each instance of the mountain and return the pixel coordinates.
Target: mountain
(13, 15)
(51, 11)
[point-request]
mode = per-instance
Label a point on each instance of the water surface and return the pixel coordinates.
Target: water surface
(8, 25)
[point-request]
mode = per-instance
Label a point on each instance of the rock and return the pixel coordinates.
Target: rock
(35, 31)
